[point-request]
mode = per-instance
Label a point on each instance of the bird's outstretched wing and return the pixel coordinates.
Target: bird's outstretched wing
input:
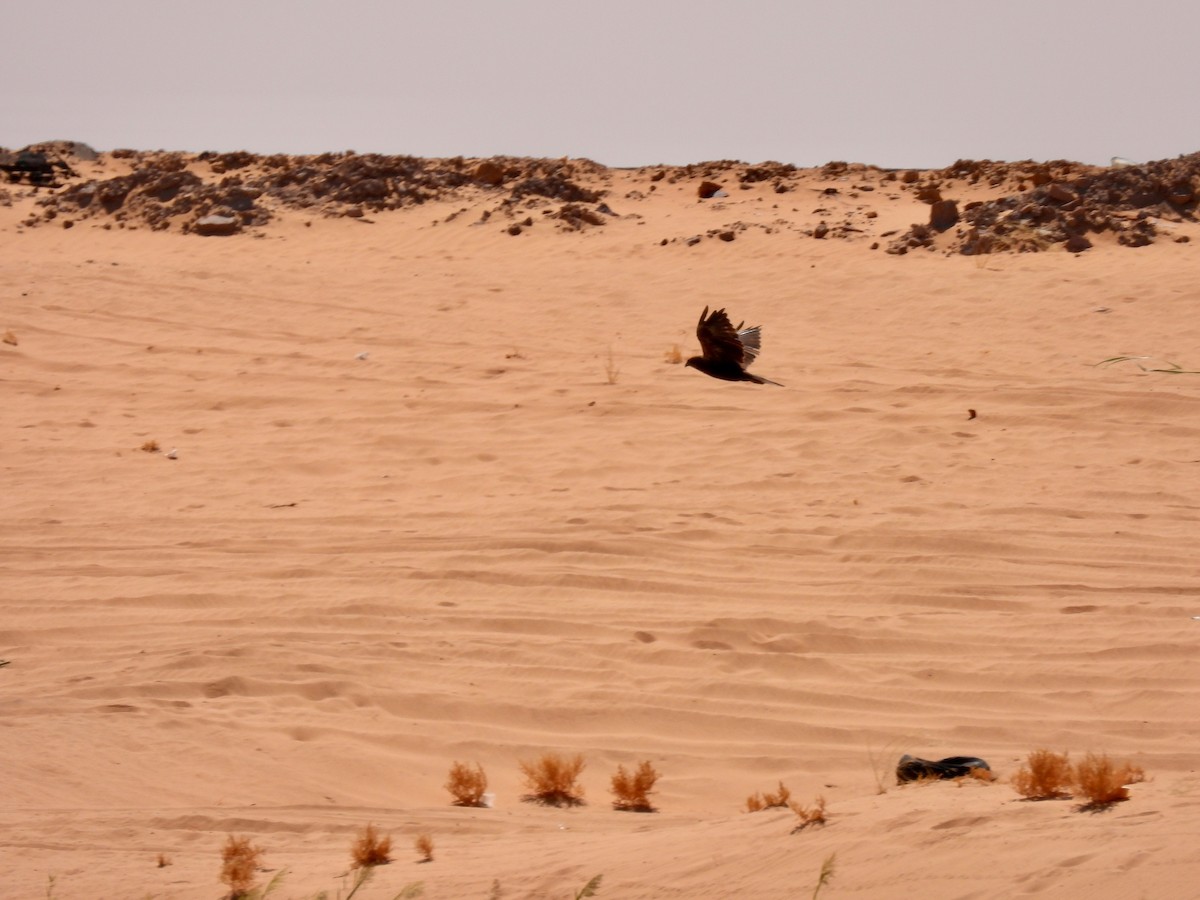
(751, 339)
(721, 343)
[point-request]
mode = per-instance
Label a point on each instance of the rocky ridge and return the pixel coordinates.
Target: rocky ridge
(1026, 206)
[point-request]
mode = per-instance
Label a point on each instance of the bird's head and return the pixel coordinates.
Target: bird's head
(692, 362)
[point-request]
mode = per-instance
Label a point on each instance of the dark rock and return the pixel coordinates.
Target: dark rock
(767, 171)
(726, 235)
(1060, 193)
(707, 189)
(1076, 243)
(1136, 237)
(916, 236)
(821, 230)
(487, 172)
(217, 226)
(929, 193)
(575, 217)
(1181, 193)
(555, 187)
(943, 214)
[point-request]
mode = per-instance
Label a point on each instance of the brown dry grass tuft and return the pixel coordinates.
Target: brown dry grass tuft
(151, 447)
(757, 802)
(1102, 782)
(163, 860)
(632, 791)
(809, 815)
(9, 338)
(466, 785)
(611, 370)
(370, 849)
(553, 780)
(1045, 775)
(424, 845)
(674, 355)
(239, 860)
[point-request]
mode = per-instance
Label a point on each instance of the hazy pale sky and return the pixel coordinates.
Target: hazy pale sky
(915, 83)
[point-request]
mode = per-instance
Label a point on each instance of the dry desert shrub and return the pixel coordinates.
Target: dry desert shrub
(757, 802)
(239, 860)
(631, 792)
(150, 447)
(370, 849)
(424, 846)
(1046, 775)
(553, 780)
(809, 815)
(1102, 782)
(466, 785)
(163, 860)
(674, 355)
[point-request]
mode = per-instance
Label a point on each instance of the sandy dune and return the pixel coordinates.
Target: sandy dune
(439, 494)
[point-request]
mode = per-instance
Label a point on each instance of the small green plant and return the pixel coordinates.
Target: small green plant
(553, 780)
(589, 889)
(410, 891)
(265, 892)
(365, 874)
(826, 875)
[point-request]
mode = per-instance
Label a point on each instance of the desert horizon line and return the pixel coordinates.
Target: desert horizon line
(1110, 160)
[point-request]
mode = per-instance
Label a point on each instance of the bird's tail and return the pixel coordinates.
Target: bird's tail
(758, 379)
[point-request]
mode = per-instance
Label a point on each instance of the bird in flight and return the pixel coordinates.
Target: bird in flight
(726, 351)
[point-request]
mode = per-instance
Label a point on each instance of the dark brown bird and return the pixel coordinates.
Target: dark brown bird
(726, 351)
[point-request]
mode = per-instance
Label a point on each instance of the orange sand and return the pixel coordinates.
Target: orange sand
(470, 545)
